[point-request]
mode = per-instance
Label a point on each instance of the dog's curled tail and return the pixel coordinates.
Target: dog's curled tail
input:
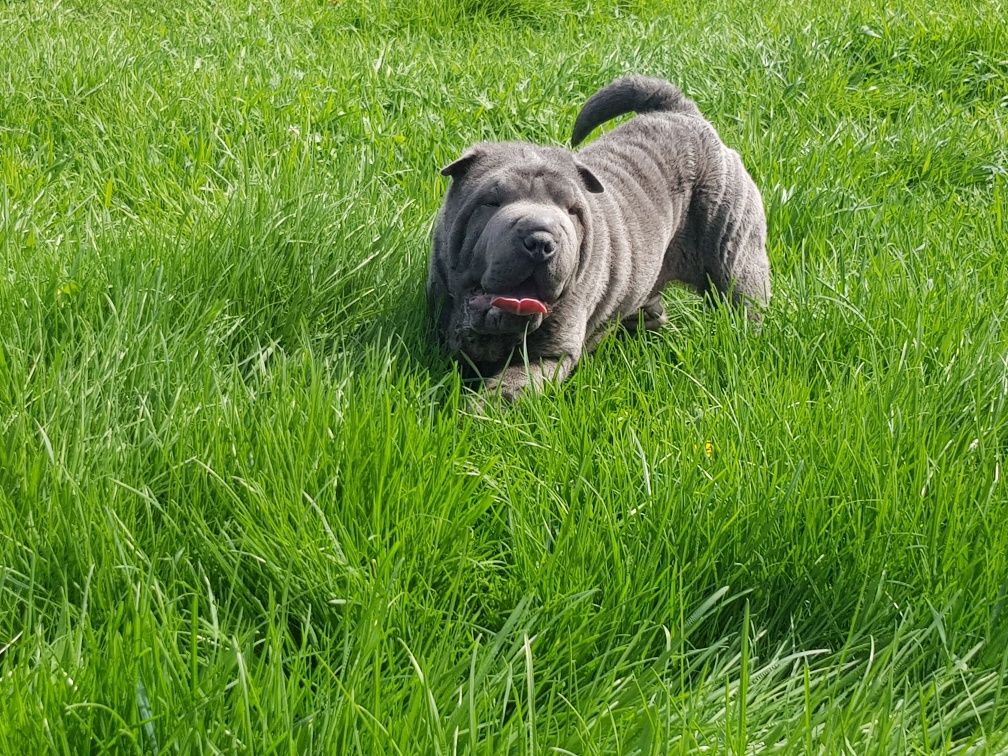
(630, 94)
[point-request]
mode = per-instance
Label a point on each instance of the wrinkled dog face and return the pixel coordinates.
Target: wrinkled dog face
(519, 233)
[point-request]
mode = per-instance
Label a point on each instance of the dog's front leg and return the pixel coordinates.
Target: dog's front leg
(550, 357)
(519, 377)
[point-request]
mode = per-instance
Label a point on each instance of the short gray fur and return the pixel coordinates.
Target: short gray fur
(658, 199)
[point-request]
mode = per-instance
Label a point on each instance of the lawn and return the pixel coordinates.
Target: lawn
(244, 507)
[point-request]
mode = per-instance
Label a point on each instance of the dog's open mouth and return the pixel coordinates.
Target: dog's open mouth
(523, 299)
(520, 306)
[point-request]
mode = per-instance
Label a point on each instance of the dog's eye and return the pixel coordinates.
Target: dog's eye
(490, 203)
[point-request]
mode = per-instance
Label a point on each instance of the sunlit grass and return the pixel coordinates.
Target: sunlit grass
(242, 506)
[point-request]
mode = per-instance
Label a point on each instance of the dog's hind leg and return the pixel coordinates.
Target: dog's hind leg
(651, 316)
(746, 282)
(737, 262)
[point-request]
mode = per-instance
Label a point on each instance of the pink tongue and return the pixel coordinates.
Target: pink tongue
(519, 306)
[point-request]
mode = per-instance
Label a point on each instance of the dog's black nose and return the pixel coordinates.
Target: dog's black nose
(540, 245)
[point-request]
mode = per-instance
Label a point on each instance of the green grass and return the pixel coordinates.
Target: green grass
(242, 507)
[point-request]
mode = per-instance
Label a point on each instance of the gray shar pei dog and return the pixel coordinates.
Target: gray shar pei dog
(538, 250)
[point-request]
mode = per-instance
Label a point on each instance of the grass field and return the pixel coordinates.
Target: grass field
(243, 508)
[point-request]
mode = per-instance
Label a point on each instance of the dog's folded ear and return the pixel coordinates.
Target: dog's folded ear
(457, 168)
(589, 179)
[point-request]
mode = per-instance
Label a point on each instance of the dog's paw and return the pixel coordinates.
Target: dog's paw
(476, 403)
(511, 383)
(482, 402)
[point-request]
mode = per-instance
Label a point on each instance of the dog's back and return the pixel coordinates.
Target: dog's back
(681, 185)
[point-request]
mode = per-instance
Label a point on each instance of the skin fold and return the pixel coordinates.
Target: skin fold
(587, 239)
